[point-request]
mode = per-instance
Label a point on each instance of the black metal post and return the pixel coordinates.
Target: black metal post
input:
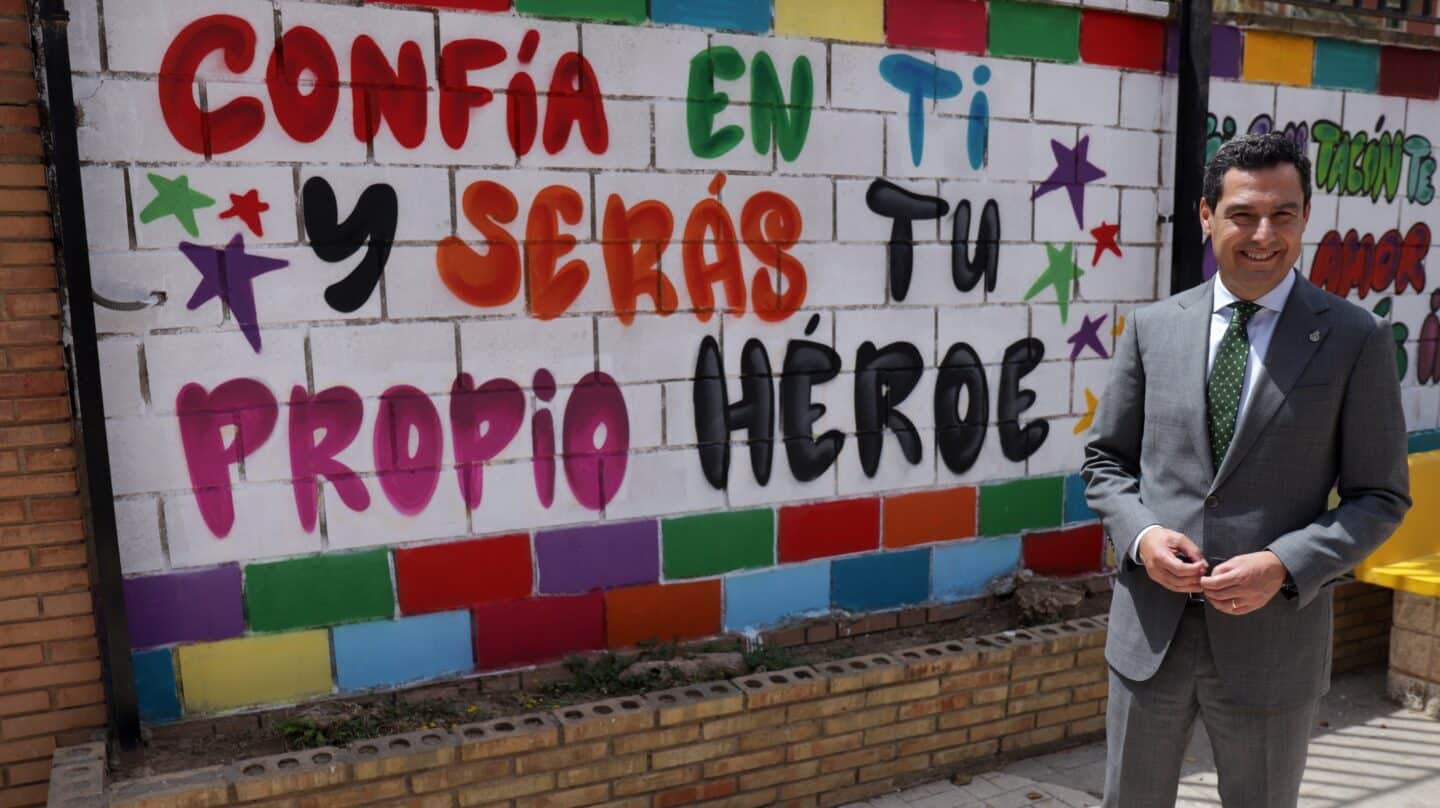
(1193, 100)
(94, 471)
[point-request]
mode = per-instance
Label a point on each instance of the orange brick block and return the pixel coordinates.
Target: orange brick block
(929, 516)
(662, 612)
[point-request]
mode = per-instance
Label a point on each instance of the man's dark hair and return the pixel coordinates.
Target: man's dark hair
(1249, 152)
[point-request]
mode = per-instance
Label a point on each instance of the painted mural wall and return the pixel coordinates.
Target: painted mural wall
(444, 337)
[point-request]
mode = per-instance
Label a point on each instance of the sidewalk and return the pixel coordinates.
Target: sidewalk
(1365, 751)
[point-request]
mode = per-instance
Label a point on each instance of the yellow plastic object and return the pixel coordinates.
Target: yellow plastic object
(850, 20)
(1278, 58)
(254, 670)
(1410, 559)
(1418, 576)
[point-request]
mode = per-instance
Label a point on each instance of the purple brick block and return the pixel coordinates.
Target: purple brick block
(580, 559)
(184, 607)
(1225, 51)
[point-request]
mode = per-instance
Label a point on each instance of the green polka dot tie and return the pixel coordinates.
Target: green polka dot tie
(1226, 379)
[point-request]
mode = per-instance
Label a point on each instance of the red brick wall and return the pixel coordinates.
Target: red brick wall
(49, 660)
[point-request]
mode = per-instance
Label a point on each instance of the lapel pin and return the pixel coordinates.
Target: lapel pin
(1315, 336)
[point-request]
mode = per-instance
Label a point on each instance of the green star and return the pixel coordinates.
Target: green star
(174, 198)
(1061, 274)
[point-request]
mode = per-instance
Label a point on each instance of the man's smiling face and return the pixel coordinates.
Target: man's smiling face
(1256, 227)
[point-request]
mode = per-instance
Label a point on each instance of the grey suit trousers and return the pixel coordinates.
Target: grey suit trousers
(1259, 753)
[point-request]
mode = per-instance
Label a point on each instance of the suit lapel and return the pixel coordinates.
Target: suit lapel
(1192, 340)
(1301, 330)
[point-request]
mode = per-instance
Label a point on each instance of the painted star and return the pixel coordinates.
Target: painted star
(1073, 171)
(1088, 418)
(229, 275)
(175, 198)
(248, 207)
(1104, 240)
(1061, 274)
(1088, 336)
(1119, 327)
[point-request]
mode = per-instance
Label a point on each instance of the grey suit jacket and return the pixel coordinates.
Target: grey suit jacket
(1325, 410)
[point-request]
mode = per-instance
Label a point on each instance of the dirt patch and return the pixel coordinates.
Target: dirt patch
(341, 721)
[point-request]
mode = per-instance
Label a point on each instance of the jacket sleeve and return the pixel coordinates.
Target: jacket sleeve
(1374, 481)
(1112, 456)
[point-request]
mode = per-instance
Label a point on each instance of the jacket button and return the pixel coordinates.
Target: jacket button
(1212, 502)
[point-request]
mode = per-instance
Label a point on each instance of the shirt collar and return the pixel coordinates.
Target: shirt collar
(1274, 300)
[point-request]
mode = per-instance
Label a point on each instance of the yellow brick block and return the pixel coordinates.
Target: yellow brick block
(254, 670)
(1279, 58)
(1410, 559)
(850, 20)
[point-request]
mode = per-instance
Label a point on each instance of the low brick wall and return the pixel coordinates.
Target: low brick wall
(1362, 625)
(821, 735)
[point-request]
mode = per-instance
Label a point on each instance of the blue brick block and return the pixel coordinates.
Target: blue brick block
(766, 598)
(963, 569)
(155, 686)
(396, 651)
(883, 581)
(735, 15)
(1076, 510)
(1424, 441)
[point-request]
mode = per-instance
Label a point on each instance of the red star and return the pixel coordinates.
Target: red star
(1104, 240)
(249, 207)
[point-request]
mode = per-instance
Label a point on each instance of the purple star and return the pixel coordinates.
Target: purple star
(1088, 336)
(228, 275)
(1073, 171)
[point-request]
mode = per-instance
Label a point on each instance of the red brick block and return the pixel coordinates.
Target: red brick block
(1117, 39)
(535, 630)
(829, 529)
(460, 574)
(957, 25)
(1409, 72)
(1071, 551)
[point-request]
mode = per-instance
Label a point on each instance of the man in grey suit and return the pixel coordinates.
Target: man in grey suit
(1232, 411)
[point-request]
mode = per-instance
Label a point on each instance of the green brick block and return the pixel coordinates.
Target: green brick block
(1007, 508)
(714, 543)
(610, 10)
(1034, 31)
(319, 591)
(1346, 66)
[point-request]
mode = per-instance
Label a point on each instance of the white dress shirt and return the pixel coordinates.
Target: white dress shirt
(1260, 328)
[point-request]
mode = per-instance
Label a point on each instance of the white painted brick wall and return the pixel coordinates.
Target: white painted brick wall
(613, 50)
(840, 143)
(137, 33)
(1007, 91)
(372, 358)
(1073, 94)
(266, 526)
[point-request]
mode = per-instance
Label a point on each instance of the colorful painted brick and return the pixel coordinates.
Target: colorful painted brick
(459, 5)
(880, 581)
(662, 612)
(963, 569)
(155, 686)
(1034, 31)
(715, 543)
(1122, 40)
(255, 670)
(1409, 72)
(1425, 441)
(956, 25)
(829, 529)
(605, 10)
(759, 599)
(393, 652)
(849, 20)
(1076, 508)
(929, 516)
(526, 632)
(319, 591)
(1279, 58)
(1226, 51)
(1036, 502)
(1347, 65)
(184, 607)
(455, 575)
(579, 559)
(732, 15)
(1071, 551)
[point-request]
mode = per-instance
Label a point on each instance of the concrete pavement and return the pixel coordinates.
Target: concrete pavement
(1365, 751)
